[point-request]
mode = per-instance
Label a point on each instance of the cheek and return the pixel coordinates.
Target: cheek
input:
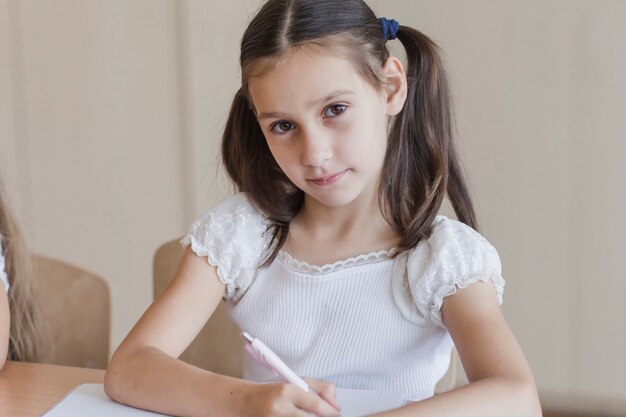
(369, 134)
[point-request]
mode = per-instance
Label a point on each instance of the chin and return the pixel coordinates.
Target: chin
(333, 198)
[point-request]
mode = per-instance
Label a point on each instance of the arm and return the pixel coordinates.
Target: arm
(145, 372)
(501, 382)
(5, 325)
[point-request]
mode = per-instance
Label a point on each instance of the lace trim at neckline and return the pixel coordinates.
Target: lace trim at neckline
(302, 266)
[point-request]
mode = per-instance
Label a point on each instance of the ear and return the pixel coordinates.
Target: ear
(395, 86)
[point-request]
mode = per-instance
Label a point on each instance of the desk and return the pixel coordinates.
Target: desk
(30, 389)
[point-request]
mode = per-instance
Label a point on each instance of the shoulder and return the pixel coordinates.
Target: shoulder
(453, 241)
(233, 218)
(4, 279)
(454, 256)
(233, 235)
(236, 207)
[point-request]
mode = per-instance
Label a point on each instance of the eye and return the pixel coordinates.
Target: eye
(335, 110)
(281, 127)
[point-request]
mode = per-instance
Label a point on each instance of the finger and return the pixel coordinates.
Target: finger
(313, 403)
(297, 412)
(326, 390)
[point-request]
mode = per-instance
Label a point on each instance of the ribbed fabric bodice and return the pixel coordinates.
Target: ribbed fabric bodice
(340, 323)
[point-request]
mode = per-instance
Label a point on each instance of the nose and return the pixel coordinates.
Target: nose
(316, 148)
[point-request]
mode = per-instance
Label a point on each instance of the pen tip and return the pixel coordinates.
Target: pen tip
(246, 336)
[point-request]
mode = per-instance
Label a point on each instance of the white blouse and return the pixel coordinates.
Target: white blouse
(4, 279)
(367, 322)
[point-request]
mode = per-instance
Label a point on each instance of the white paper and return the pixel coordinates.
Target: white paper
(89, 400)
(356, 403)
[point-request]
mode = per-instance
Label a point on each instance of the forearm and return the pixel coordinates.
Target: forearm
(149, 379)
(490, 397)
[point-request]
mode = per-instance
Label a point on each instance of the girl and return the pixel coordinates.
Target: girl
(20, 327)
(333, 253)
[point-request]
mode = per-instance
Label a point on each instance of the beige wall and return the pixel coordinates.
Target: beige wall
(92, 136)
(110, 114)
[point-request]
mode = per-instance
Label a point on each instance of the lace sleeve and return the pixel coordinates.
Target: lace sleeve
(232, 236)
(455, 256)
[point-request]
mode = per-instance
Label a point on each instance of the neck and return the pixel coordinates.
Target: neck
(339, 221)
(339, 232)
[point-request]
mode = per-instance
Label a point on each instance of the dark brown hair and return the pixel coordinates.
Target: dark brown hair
(421, 163)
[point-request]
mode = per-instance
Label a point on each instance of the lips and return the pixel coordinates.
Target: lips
(328, 180)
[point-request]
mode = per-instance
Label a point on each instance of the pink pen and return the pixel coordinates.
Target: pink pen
(271, 361)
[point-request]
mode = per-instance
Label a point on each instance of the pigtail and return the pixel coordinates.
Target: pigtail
(421, 162)
(241, 127)
(458, 192)
(253, 169)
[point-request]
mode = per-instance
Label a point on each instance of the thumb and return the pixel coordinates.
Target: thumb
(326, 390)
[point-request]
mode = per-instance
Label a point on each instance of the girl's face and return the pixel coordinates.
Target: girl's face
(324, 124)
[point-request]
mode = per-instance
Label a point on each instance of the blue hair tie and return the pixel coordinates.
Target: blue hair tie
(390, 28)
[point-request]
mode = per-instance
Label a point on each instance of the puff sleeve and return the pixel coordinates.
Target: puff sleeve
(232, 235)
(454, 256)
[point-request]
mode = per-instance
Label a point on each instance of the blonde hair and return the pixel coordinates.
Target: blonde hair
(26, 334)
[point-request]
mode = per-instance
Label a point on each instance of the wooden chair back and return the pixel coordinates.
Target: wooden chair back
(76, 308)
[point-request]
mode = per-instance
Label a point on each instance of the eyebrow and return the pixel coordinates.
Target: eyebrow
(277, 114)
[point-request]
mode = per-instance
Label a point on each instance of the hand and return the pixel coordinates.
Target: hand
(287, 400)
(326, 390)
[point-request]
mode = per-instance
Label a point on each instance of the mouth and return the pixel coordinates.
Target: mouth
(328, 180)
